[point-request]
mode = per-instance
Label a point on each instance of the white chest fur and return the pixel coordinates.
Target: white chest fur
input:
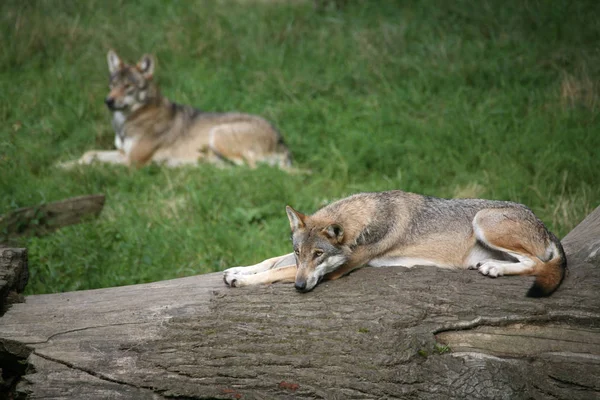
(118, 142)
(118, 123)
(128, 144)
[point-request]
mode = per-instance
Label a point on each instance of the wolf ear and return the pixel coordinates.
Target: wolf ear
(114, 62)
(335, 232)
(296, 218)
(146, 66)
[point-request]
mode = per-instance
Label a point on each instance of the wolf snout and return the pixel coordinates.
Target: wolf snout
(300, 286)
(110, 102)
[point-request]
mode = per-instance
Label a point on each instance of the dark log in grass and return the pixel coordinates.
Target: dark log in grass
(46, 218)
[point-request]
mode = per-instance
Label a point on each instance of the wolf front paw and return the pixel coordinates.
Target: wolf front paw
(235, 279)
(230, 278)
(237, 276)
(238, 271)
(490, 269)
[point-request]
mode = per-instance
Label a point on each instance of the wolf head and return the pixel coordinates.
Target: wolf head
(130, 86)
(318, 246)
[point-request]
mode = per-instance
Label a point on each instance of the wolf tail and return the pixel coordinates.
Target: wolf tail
(550, 274)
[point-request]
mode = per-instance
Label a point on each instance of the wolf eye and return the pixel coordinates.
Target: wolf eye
(318, 253)
(297, 252)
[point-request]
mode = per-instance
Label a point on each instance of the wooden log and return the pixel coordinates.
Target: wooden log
(13, 275)
(423, 332)
(13, 278)
(46, 218)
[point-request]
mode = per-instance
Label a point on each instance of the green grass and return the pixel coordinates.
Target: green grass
(489, 99)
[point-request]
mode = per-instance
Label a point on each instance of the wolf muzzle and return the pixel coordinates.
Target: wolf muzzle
(110, 103)
(300, 285)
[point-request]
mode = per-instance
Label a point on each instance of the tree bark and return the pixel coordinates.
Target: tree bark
(423, 332)
(13, 275)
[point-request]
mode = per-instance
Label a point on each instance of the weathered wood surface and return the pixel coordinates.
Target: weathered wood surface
(379, 333)
(46, 218)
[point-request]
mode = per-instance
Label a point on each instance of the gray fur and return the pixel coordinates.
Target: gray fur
(380, 225)
(443, 215)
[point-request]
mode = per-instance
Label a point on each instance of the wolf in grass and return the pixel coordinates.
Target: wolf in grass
(151, 128)
(397, 228)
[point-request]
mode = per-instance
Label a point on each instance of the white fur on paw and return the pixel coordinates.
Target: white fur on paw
(491, 269)
(239, 271)
(232, 279)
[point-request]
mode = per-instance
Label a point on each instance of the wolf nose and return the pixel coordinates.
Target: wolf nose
(300, 286)
(110, 102)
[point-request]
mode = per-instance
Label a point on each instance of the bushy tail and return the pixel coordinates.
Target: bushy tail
(550, 274)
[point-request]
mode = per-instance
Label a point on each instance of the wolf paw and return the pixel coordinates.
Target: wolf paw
(490, 269)
(238, 271)
(230, 278)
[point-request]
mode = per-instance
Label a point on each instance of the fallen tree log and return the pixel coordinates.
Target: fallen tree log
(378, 333)
(46, 218)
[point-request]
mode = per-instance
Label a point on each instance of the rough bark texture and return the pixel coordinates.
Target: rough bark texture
(13, 275)
(13, 278)
(378, 333)
(46, 218)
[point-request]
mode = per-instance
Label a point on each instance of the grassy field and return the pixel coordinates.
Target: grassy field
(489, 99)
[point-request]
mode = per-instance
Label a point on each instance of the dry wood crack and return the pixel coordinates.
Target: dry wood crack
(91, 372)
(55, 335)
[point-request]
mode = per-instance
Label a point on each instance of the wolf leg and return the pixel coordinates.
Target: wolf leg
(280, 274)
(494, 268)
(532, 249)
(228, 141)
(513, 232)
(266, 265)
(89, 157)
(244, 142)
(110, 157)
